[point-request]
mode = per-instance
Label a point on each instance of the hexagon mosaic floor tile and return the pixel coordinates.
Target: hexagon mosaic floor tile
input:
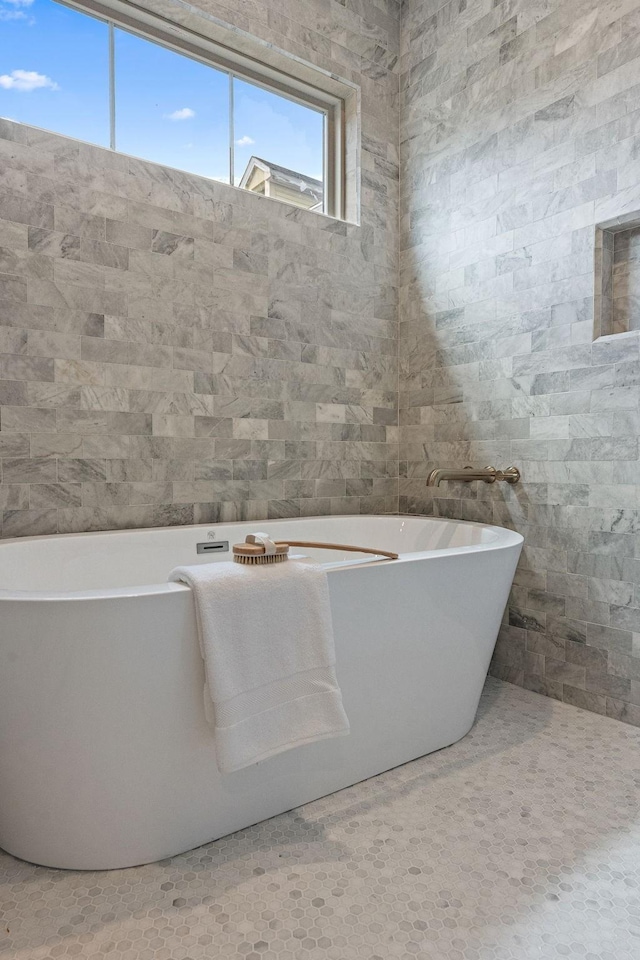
(520, 842)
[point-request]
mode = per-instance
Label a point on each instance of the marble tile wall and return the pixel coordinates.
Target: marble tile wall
(520, 130)
(173, 350)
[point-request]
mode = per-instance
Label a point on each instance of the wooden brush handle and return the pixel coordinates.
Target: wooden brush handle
(338, 546)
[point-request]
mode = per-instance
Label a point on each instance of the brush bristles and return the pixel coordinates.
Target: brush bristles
(272, 558)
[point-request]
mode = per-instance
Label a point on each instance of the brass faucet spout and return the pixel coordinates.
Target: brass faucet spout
(486, 474)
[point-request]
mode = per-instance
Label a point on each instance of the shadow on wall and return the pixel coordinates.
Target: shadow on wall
(452, 415)
(507, 171)
(494, 383)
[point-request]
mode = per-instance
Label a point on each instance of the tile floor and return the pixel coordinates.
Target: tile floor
(521, 841)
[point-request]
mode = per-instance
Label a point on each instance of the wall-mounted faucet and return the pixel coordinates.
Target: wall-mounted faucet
(487, 474)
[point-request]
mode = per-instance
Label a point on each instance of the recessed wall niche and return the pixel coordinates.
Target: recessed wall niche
(617, 276)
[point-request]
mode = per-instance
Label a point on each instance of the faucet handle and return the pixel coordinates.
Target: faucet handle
(510, 475)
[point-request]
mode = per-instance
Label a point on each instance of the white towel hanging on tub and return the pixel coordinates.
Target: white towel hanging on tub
(266, 639)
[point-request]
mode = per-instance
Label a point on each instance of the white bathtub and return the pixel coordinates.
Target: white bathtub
(105, 756)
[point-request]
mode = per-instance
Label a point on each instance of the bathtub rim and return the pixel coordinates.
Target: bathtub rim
(505, 538)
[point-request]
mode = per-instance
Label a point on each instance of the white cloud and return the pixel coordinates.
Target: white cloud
(245, 142)
(185, 114)
(26, 80)
(12, 9)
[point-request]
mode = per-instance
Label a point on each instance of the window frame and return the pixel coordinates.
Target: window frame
(158, 29)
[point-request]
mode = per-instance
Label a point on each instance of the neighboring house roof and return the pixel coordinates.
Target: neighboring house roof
(311, 189)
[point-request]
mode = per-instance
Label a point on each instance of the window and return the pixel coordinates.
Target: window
(171, 98)
(170, 108)
(291, 168)
(54, 69)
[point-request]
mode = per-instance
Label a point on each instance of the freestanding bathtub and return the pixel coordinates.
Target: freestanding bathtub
(106, 759)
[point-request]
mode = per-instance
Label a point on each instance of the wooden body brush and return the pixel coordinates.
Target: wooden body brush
(259, 548)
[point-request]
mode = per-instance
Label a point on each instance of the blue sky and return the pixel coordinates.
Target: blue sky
(54, 73)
